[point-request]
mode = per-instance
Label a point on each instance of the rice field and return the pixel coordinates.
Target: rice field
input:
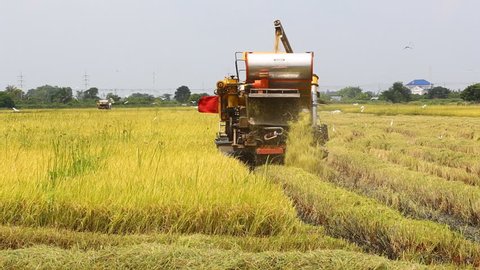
(424, 167)
(146, 188)
(461, 110)
(131, 171)
(372, 225)
(416, 164)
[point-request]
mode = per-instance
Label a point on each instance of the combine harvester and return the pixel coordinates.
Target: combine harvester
(104, 104)
(255, 110)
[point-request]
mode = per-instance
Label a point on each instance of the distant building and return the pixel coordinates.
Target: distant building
(417, 90)
(336, 98)
(419, 87)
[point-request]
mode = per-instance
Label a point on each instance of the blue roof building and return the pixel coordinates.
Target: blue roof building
(420, 83)
(419, 87)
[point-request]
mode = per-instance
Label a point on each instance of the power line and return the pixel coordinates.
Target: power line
(21, 80)
(153, 83)
(85, 80)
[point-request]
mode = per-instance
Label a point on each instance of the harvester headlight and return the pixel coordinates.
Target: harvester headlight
(220, 84)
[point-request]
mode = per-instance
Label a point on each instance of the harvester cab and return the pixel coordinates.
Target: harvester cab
(255, 111)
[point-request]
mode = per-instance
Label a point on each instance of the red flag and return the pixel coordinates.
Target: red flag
(208, 104)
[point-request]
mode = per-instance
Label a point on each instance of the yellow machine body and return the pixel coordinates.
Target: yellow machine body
(255, 111)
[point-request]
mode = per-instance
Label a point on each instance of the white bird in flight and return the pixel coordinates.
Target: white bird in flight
(15, 109)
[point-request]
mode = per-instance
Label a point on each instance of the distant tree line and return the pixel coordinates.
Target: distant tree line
(55, 96)
(471, 93)
(399, 93)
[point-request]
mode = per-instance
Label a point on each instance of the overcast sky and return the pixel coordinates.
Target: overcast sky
(121, 44)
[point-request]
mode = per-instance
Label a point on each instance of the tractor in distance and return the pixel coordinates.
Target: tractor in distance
(104, 104)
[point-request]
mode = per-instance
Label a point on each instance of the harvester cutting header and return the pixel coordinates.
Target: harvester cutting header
(255, 110)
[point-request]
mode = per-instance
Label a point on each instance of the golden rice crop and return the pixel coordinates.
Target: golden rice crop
(450, 197)
(397, 156)
(128, 171)
(158, 256)
(405, 162)
(77, 176)
(359, 219)
(439, 141)
(307, 238)
(410, 109)
(370, 224)
(372, 151)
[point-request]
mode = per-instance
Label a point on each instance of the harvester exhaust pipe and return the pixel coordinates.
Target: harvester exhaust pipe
(314, 91)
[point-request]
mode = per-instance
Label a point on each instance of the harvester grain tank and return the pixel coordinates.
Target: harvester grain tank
(256, 105)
